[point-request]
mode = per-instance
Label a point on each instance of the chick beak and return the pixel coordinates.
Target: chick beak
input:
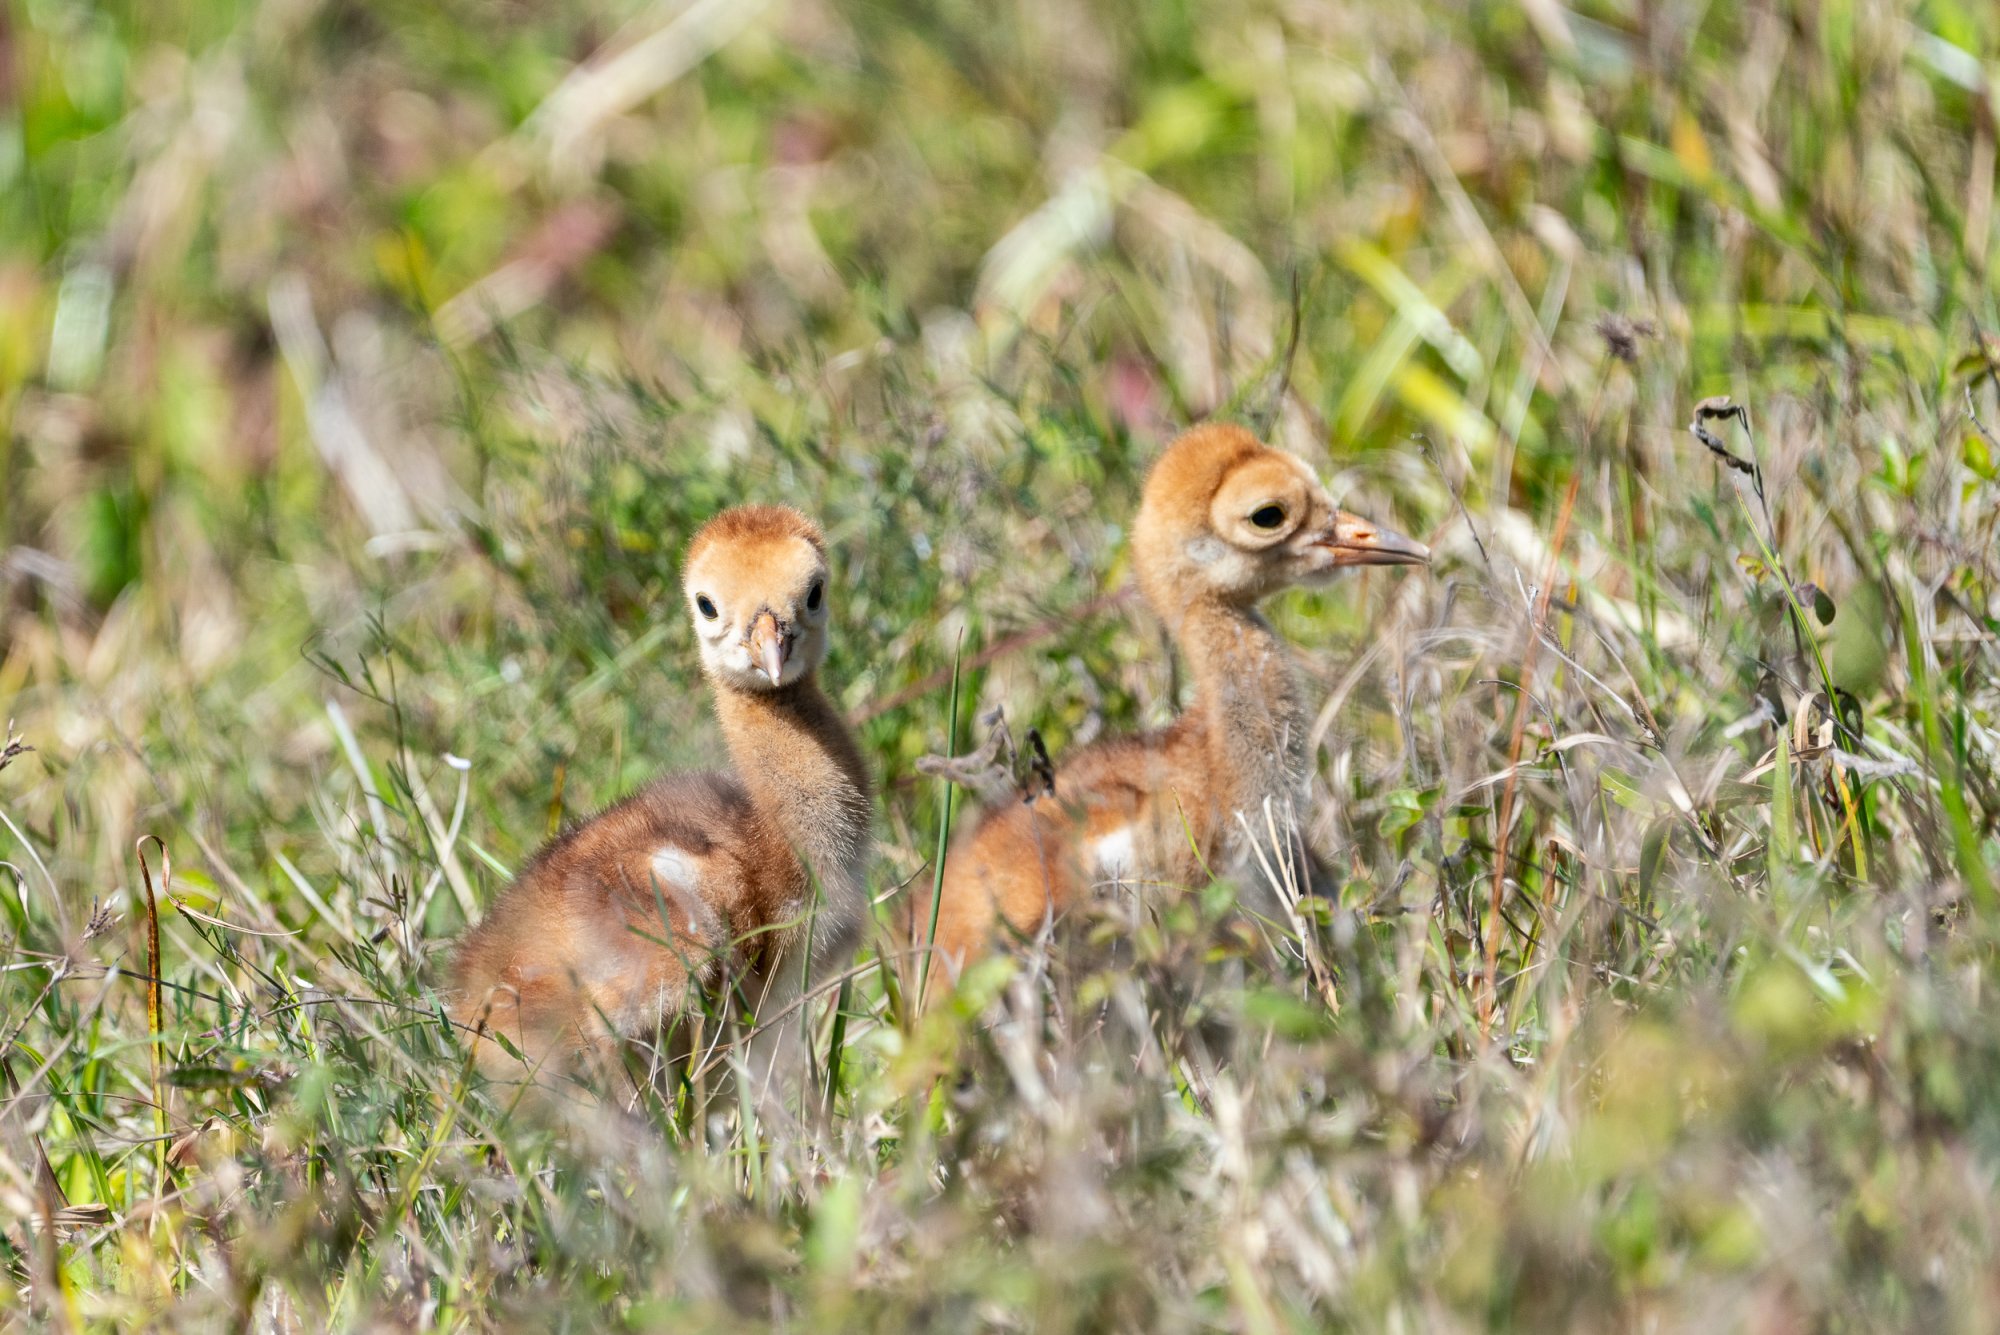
(768, 645)
(1355, 541)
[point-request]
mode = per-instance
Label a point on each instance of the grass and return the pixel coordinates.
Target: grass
(364, 367)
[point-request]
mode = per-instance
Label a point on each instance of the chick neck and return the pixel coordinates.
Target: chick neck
(1248, 701)
(794, 754)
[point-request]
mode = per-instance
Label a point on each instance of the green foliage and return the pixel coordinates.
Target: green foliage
(364, 368)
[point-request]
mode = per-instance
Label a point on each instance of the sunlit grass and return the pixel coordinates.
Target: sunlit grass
(364, 369)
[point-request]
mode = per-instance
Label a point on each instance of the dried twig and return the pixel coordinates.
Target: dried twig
(1041, 777)
(1622, 336)
(1457, 497)
(153, 1018)
(1972, 411)
(983, 771)
(1266, 419)
(14, 749)
(1721, 409)
(1487, 991)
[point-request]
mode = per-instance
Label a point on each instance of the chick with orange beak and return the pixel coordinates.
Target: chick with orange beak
(758, 603)
(1225, 521)
(746, 885)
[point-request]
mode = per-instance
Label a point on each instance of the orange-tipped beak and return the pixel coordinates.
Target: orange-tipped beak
(1358, 542)
(768, 645)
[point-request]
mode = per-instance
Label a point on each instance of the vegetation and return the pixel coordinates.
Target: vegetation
(365, 365)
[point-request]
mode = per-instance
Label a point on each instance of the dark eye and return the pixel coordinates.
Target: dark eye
(812, 599)
(1268, 516)
(707, 608)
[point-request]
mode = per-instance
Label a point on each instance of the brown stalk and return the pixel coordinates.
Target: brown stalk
(153, 1023)
(1487, 990)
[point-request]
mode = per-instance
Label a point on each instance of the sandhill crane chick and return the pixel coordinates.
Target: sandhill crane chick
(576, 956)
(1225, 521)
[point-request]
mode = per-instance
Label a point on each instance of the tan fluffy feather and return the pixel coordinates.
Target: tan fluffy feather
(1162, 808)
(614, 928)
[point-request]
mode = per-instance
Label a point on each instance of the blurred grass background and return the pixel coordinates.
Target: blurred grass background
(365, 366)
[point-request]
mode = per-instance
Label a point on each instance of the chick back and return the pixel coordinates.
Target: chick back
(616, 924)
(1141, 809)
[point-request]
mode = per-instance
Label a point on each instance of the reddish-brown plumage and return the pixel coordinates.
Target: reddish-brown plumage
(611, 929)
(1224, 522)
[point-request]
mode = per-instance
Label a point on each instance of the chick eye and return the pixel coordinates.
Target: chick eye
(812, 599)
(706, 607)
(1268, 516)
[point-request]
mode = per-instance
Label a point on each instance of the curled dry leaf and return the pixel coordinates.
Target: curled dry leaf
(1721, 408)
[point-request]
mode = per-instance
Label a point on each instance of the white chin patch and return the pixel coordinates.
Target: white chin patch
(1114, 855)
(739, 671)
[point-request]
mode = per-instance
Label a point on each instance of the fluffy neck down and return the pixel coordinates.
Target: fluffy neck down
(794, 754)
(1247, 696)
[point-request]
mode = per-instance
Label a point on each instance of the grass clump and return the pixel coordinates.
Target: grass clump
(364, 367)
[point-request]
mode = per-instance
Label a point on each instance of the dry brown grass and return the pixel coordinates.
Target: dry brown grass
(364, 367)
